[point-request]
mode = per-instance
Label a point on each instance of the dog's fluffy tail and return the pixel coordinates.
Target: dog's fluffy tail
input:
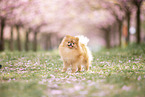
(82, 39)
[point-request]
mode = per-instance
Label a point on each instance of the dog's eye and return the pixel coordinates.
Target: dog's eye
(69, 42)
(73, 43)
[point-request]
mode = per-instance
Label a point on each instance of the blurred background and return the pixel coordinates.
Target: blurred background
(32, 25)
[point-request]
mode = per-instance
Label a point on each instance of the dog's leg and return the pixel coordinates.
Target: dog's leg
(65, 66)
(87, 66)
(79, 67)
(74, 67)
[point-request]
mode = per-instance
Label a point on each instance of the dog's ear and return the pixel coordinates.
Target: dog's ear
(77, 38)
(67, 36)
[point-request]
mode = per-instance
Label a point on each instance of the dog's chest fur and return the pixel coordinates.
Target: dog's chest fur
(69, 54)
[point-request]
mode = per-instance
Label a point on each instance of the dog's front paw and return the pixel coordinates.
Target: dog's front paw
(73, 70)
(63, 71)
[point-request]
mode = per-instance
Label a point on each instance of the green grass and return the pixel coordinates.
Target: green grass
(114, 73)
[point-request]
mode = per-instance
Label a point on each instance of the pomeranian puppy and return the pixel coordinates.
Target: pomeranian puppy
(74, 52)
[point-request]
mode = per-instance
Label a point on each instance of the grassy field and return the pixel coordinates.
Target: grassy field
(114, 73)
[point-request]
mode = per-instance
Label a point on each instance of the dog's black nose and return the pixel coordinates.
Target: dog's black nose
(0, 66)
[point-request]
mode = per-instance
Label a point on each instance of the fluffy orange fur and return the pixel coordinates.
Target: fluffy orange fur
(74, 53)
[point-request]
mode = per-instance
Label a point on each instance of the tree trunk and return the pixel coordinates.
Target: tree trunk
(18, 38)
(47, 42)
(107, 37)
(35, 42)
(114, 28)
(128, 27)
(138, 24)
(27, 41)
(50, 42)
(120, 33)
(11, 40)
(2, 37)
